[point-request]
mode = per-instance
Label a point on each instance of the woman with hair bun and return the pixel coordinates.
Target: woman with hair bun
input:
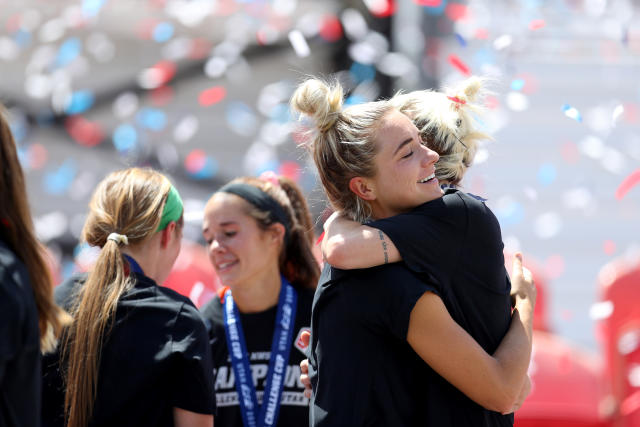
(430, 341)
(136, 353)
(259, 237)
(30, 321)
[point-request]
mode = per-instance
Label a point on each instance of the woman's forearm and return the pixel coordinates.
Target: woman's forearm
(348, 244)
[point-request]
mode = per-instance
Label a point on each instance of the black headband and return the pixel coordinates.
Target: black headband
(260, 200)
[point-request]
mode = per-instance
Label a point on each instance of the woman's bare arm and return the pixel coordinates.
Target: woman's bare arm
(493, 381)
(184, 418)
(348, 244)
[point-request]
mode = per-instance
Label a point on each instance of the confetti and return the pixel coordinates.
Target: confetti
(502, 42)
(571, 112)
(152, 119)
(83, 131)
(211, 96)
(548, 225)
(186, 128)
(618, 111)
(609, 247)
(125, 138)
(554, 266)
(56, 182)
(456, 11)
(459, 65)
(517, 101)
(536, 24)
(69, 50)
(547, 174)
(461, 40)
(299, 44)
(627, 184)
(291, 170)
(157, 75)
(381, 8)
(162, 32)
(331, 29)
(241, 118)
(200, 166)
(601, 310)
(517, 84)
(80, 102)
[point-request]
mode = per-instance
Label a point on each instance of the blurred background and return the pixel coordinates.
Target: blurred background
(199, 89)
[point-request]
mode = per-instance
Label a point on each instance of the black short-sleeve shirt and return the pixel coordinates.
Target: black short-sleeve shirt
(258, 331)
(19, 344)
(455, 244)
(156, 357)
(363, 371)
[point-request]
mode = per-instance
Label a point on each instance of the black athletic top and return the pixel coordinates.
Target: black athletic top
(363, 371)
(19, 344)
(155, 358)
(454, 243)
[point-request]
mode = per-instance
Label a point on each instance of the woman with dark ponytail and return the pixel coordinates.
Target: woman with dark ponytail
(259, 237)
(30, 321)
(136, 353)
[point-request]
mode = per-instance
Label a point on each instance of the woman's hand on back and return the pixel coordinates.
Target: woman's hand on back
(523, 289)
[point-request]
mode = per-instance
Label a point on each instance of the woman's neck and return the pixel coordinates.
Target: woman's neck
(258, 295)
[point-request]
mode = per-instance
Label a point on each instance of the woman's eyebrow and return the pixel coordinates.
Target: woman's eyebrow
(402, 144)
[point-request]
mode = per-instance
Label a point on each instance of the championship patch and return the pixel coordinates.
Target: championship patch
(299, 344)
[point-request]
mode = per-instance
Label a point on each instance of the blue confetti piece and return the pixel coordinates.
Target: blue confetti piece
(511, 214)
(57, 182)
(435, 10)
(209, 170)
(152, 118)
(91, 8)
(22, 37)
(271, 165)
(69, 50)
(461, 40)
(281, 113)
(125, 138)
(572, 112)
(484, 56)
(80, 102)
(241, 118)
(162, 32)
(517, 84)
(354, 100)
(547, 174)
(362, 72)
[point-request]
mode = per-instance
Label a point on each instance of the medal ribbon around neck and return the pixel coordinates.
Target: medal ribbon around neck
(282, 339)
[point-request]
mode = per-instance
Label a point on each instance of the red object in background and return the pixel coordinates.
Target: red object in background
(619, 332)
(568, 386)
(193, 275)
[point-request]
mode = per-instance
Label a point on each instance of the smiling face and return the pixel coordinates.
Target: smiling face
(404, 168)
(240, 251)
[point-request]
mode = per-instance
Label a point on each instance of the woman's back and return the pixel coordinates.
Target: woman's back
(156, 357)
(19, 344)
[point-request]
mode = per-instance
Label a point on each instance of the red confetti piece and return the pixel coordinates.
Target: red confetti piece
(627, 184)
(554, 266)
(491, 102)
(482, 34)
(630, 404)
(536, 24)
(291, 170)
(167, 71)
(428, 3)
(456, 11)
(195, 161)
(570, 152)
(609, 247)
(381, 8)
(459, 65)
(631, 113)
(83, 131)
(331, 29)
(37, 156)
(145, 28)
(212, 96)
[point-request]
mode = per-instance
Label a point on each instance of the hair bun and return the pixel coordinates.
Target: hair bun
(320, 101)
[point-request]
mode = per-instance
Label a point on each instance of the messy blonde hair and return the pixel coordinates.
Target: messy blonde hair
(343, 143)
(446, 124)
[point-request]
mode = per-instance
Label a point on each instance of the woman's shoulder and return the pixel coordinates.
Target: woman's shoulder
(213, 310)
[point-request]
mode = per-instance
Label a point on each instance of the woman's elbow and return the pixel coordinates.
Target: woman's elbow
(335, 254)
(501, 401)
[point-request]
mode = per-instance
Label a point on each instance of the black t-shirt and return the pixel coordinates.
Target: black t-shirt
(258, 332)
(156, 357)
(363, 371)
(455, 244)
(19, 344)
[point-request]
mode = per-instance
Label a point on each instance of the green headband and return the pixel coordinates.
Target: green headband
(172, 209)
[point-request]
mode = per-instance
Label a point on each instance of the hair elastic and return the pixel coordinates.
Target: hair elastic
(119, 238)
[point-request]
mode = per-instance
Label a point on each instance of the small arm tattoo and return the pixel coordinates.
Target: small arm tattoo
(384, 247)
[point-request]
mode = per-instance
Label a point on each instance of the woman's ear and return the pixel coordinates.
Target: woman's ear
(167, 234)
(277, 231)
(362, 188)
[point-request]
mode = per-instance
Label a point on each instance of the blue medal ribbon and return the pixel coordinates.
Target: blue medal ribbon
(282, 338)
(133, 265)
